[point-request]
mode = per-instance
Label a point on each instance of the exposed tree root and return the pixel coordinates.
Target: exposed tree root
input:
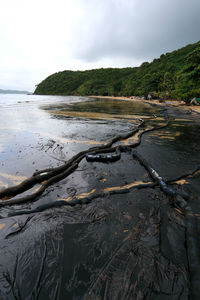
(55, 174)
(50, 176)
(43, 187)
(85, 200)
(177, 198)
(157, 178)
(103, 193)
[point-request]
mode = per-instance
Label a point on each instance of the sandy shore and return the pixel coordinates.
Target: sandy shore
(176, 103)
(125, 241)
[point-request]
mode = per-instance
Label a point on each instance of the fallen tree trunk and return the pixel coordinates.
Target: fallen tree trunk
(46, 174)
(65, 169)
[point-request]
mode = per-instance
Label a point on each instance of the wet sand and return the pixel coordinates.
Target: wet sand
(176, 103)
(122, 246)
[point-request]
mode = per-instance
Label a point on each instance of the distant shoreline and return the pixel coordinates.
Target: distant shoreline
(7, 92)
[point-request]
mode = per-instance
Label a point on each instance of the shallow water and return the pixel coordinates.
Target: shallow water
(124, 246)
(32, 138)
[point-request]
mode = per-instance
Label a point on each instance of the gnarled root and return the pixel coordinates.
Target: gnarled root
(54, 174)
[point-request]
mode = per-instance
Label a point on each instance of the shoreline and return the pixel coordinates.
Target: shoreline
(168, 103)
(114, 209)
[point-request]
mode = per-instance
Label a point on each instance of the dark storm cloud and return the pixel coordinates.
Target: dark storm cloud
(48, 36)
(138, 29)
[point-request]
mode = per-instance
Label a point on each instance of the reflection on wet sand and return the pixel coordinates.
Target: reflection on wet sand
(85, 251)
(15, 179)
(97, 116)
(3, 184)
(181, 181)
(2, 225)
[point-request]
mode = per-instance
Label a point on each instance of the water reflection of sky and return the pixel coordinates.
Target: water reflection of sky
(33, 136)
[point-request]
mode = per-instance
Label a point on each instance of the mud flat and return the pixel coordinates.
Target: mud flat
(125, 238)
(174, 103)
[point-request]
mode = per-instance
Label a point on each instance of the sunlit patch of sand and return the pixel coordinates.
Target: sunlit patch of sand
(184, 181)
(2, 226)
(127, 186)
(16, 179)
(108, 189)
(182, 120)
(178, 125)
(196, 108)
(166, 135)
(103, 180)
(95, 115)
(160, 124)
(159, 119)
(179, 211)
(36, 189)
(191, 108)
(131, 140)
(181, 181)
(80, 196)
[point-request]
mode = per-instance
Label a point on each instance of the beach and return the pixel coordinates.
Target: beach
(125, 236)
(171, 102)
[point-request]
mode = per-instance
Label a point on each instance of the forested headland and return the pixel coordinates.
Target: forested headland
(175, 75)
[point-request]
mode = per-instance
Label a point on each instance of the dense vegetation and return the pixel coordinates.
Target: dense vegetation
(173, 75)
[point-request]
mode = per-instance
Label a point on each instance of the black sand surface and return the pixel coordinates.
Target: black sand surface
(133, 244)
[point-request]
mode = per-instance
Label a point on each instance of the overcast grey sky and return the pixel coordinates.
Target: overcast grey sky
(41, 37)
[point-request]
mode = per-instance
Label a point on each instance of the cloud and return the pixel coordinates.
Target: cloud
(38, 38)
(137, 29)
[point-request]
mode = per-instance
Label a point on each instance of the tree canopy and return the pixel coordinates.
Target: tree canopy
(174, 75)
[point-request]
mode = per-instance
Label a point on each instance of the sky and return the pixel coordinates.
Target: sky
(41, 37)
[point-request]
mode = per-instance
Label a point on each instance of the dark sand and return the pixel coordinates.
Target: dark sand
(123, 246)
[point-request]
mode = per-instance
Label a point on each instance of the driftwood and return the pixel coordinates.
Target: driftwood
(157, 178)
(93, 156)
(81, 201)
(177, 198)
(53, 175)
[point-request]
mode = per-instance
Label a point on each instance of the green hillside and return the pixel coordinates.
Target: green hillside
(174, 75)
